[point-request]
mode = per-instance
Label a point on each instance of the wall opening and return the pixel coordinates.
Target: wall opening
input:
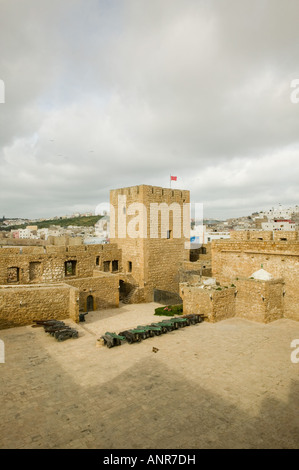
(106, 266)
(35, 270)
(90, 303)
(114, 266)
(13, 274)
(70, 268)
(129, 266)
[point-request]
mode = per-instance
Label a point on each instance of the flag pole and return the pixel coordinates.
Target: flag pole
(170, 180)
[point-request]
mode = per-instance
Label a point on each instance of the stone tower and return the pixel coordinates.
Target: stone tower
(151, 226)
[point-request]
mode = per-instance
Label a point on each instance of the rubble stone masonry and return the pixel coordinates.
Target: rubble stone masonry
(233, 259)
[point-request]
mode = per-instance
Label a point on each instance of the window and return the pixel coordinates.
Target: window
(106, 266)
(97, 261)
(13, 274)
(169, 234)
(70, 268)
(129, 266)
(114, 265)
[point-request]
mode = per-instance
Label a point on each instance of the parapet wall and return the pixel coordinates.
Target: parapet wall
(232, 259)
(215, 304)
(266, 235)
(21, 305)
(46, 264)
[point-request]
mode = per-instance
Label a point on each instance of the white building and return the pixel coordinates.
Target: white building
(281, 212)
(279, 224)
(201, 236)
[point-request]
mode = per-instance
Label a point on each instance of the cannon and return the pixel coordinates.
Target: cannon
(58, 329)
(165, 326)
(194, 318)
(48, 322)
(82, 316)
(112, 339)
(175, 325)
(53, 329)
(132, 336)
(152, 330)
(140, 333)
(179, 322)
(62, 335)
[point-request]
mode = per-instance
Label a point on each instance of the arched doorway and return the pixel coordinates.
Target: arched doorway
(89, 303)
(124, 290)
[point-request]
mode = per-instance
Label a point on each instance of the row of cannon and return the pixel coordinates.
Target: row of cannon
(57, 328)
(135, 335)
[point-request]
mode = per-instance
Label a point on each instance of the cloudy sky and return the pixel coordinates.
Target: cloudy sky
(101, 94)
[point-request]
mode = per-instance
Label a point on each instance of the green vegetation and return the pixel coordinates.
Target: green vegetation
(82, 221)
(169, 310)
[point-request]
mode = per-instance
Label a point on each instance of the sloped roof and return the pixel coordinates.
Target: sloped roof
(262, 275)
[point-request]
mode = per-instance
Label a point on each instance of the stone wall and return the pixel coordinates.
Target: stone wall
(233, 259)
(259, 300)
(103, 288)
(63, 240)
(215, 303)
(264, 235)
(52, 261)
(20, 305)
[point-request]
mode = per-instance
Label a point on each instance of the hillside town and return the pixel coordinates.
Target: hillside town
(276, 218)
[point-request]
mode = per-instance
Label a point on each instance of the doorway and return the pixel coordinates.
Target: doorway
(89, 303)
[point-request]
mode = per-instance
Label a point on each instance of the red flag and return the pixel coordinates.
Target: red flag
(173, 178)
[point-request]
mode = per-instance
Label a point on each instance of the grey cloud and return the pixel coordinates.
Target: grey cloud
(111, 93)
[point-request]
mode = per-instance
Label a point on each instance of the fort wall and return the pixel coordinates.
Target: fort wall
(20, 305)
(232, 259)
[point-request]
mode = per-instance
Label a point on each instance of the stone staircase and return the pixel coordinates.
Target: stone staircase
(127, 299)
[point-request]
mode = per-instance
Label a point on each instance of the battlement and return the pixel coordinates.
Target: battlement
(147, 192)
(264, 235)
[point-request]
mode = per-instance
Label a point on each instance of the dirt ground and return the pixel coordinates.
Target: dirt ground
(230, 384)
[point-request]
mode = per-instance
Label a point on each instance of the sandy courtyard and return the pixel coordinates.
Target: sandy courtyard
(230, 384)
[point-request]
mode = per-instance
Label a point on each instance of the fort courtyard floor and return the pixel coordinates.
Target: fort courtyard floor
(230, 384)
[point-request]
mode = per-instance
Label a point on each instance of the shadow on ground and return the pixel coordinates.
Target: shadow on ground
(148, 406)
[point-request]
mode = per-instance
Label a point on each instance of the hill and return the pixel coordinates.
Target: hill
(81, 221)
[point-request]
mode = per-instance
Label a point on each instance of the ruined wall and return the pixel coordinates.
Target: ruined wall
(235, 258)
(63, 240)
(260, 301)
(47, 264)
(198, 267)
(214, 303)
(20, 305)
(204, 253)
(103, 288)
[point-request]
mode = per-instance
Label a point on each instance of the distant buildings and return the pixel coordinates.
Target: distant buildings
(279, 224)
